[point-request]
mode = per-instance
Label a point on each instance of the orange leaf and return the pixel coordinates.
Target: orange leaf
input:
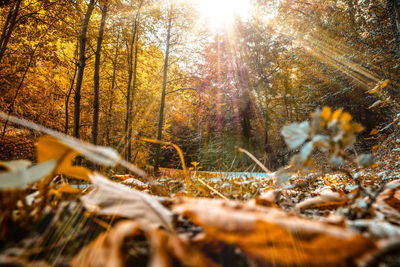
(270, 237)
(384, 84)
(50, 148)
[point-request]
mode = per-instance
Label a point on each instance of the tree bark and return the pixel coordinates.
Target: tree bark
(129, 154)
(81, 68)
(67, 98)
(164, 86)
(8, 28)
(97, 75)
(129, 91)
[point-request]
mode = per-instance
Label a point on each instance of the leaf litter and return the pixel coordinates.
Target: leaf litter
(297, 216)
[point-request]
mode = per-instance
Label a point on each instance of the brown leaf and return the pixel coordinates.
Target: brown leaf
(388, 202)
(110, 198)
(166, 247)
(326, 200)
(105, 250)
(267, 199)
(269, 236)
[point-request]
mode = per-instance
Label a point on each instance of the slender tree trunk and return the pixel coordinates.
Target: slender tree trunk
(108, 127)
(97, 75)
(129, 154)
(164, 86)
(81, 68)
(128, 91)
(68, 96)
(8, 28)
(286, 86)
(128, 96)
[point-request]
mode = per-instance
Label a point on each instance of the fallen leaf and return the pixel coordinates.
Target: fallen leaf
(50, 148)
(110, 198)
(326, 200)
(168, 248)
(270, 237)
(376, 228)
(18, 175)
(106, 249)
(388, 201)
(384, 84)
(135, 182)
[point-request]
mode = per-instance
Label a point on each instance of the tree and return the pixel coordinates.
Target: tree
(97, 74)
(81, 67)
(164, 86)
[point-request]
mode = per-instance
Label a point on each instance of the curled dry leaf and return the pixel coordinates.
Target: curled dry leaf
(267, 199)
(167, 247)
(51, 148)
(376, 228)
(18, 175)
(269, 236)
(327, 199)
(110, 198)
(136, 183)
(388, 202)
(106, 249)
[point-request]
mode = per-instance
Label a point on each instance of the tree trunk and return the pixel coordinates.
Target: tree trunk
(8, 28)
(81, 68)
(164, 86)
(97, 75)
(129, 154)
(67, 98)
(108, 126)
(129, 92)
(393, 8)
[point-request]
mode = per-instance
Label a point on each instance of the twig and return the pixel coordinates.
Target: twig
(255, 160)
(211, 188)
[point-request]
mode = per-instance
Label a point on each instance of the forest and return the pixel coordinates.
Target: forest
(199, 133)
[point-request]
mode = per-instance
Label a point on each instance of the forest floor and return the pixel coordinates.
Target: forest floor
(348, 217)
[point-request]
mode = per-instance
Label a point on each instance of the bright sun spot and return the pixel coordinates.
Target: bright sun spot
(222, 12)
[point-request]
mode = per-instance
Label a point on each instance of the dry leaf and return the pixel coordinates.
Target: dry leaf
(105, 251)
(270, 237)
(375, 228)
(167, 247)
(384, 84)
(374, 90)
(65, 189)
(296, 134)
(267, 199)
(135, 182)
(18, 175)
(110, 198)
(388, 202)
(50, 148)
(327, 199)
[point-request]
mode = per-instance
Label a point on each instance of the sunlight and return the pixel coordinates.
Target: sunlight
(222, 12)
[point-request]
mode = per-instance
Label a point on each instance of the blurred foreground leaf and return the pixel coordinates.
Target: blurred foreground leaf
(269, 236)
(110, 198)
